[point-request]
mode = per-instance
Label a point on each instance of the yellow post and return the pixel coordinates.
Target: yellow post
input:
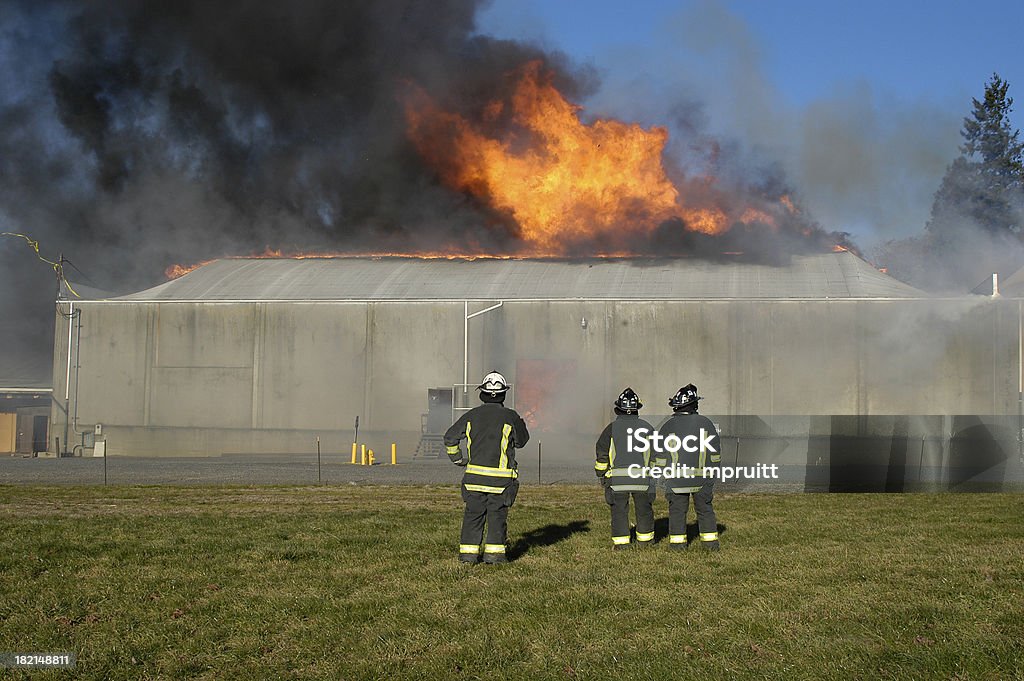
(369, 459)
(394, 454)
(353, 452)
(362, 459)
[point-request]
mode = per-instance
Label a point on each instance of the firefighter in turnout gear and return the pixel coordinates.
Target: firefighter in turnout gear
(614, 457)
(691, 428)
(492, 433)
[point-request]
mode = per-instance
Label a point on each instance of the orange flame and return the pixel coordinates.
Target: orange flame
(561, 180)
(177, 271)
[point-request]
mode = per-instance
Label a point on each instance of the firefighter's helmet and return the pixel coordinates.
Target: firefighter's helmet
(629, 401)
(685, 397)
(494, 384)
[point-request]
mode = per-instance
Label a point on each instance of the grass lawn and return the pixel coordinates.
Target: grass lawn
(359, 582)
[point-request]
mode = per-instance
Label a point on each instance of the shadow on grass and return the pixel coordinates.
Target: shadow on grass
(692, 531)
(546, 536)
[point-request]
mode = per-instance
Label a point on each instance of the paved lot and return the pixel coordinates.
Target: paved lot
(250, 470)
(299, 469)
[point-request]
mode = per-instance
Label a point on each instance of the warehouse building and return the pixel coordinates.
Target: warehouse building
(825, 365)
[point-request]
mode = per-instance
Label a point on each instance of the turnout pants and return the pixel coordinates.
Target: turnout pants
(679, 505)
(642, 505)
(490, 509)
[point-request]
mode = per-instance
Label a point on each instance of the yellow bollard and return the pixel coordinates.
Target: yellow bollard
(394, 454)
(370, 457)
(353, 452)
(362, 459)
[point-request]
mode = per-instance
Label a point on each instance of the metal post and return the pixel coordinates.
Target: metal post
(67, 377)
(318, 458)
(104, 466)
(78, 364)
(465, 340)
(465, 345)
(920, 462)
(538, 461)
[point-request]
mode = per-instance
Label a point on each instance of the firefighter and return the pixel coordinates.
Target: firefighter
(614, 456)
(492, 433)
(701, 445)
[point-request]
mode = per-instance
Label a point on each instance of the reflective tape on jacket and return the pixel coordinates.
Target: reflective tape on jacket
(452, 450)
(502, 472)
(685, 490)
(503, 459)
(484, 488)
(600, 466)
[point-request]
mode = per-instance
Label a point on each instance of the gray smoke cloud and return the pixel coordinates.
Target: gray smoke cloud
(859, 160)
(134, 135)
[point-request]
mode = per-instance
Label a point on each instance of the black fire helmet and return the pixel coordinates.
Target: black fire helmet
(629, 401)
(684, 397)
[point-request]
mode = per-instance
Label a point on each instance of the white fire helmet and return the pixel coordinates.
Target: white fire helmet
(493, 384)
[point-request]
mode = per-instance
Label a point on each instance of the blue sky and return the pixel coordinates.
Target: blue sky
(860, 102)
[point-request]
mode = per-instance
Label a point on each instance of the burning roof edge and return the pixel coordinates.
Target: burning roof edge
(402, 278)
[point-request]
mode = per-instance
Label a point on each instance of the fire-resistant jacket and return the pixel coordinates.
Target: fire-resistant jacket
(686, 426)
(492, 432)
(614, 456)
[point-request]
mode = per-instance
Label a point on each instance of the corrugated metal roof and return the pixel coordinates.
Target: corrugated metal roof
(828, 275)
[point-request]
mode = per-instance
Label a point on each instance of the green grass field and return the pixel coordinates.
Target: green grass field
(362, 582)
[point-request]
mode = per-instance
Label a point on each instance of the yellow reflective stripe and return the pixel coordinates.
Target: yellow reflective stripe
(644, 536)
(469, 441)
(611, 454)
(629, 488)
(677, 539)
(469, 548)
(620, 540)
(453, 449)
(493, 472)
(716, 458)
(685, 490)
(709, 536)
(485, 488)
(598, 466)
(503, 460)
(494, 548)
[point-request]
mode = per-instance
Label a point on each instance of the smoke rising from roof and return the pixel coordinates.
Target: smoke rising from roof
(135, 134)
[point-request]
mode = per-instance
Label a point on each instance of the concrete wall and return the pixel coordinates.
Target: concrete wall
(212, 378)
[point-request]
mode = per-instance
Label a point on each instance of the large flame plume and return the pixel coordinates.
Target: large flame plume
(561, 181)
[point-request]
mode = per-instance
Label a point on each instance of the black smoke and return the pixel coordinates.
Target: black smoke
(135, 135)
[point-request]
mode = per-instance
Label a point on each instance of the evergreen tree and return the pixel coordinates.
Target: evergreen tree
(982, 189)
